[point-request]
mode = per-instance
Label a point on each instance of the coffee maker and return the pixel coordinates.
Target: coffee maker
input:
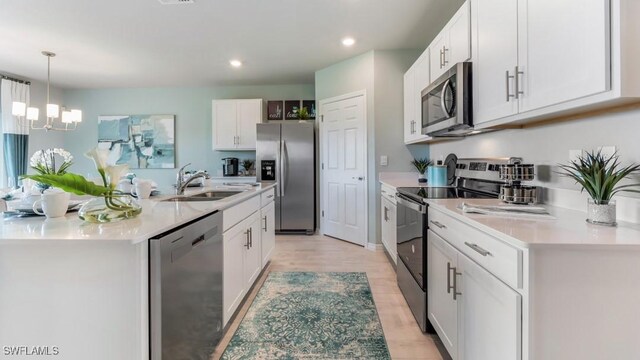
(230, 166)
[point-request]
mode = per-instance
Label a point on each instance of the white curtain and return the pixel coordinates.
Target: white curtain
(15, 135)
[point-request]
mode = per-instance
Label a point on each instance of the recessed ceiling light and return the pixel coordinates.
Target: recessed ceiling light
(235, 63)
(348, 41)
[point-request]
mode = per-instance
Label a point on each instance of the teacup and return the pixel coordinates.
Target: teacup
(141, 189)
(54, 203)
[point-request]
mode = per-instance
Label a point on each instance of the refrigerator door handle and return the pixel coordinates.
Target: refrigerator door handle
(283, 161)
(278, 170)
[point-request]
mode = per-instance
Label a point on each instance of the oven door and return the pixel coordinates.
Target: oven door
(411, 237)
(446, 104)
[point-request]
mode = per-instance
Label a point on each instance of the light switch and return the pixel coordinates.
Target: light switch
(384, 160)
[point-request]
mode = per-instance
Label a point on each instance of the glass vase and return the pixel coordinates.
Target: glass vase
(110, 208)
(601, 214)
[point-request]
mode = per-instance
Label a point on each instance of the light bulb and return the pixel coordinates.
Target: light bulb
(33, 113)
(18, 108)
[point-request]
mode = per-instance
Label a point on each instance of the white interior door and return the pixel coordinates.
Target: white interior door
(343, 183)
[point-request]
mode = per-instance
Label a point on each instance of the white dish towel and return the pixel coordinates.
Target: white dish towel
(519, 211)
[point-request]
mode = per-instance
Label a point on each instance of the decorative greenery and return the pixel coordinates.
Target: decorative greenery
(77, 184)
(303, 113)
(599, 175)
(247, 164)
(421, 164)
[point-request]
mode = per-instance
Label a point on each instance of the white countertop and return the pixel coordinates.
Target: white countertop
(568, 229)
(400, 179)
(157, 217)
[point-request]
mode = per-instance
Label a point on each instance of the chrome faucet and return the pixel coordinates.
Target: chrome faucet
(182, 184)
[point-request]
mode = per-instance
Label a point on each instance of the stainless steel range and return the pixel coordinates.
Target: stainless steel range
(475, 178)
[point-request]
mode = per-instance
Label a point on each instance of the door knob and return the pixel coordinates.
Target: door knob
(359, 178)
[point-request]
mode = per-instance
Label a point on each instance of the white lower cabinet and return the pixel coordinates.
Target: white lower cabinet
(248, 242)
(476, 315)
(490, 315)
(442, 258)
(238, 265)
(268, 214)
(388, 227)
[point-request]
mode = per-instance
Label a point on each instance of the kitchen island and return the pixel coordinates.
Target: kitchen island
(82, 289)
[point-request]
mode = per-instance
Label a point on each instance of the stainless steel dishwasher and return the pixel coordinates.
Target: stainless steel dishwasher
(185, 290)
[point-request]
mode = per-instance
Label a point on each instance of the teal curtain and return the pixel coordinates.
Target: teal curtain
(15, 135)
(16, 153)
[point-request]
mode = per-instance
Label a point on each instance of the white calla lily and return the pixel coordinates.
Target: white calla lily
(99, 157)
(114, 173)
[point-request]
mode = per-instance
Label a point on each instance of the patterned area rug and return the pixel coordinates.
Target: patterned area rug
(308, 315)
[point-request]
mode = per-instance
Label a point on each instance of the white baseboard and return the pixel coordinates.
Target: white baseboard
(373, 247)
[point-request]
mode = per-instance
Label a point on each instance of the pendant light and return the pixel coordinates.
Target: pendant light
(29, 115)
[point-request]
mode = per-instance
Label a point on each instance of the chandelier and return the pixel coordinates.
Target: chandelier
(28, 116)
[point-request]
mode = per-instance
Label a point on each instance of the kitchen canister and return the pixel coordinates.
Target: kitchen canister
(437, 175)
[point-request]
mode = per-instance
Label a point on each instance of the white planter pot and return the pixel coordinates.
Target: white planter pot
(601, 214)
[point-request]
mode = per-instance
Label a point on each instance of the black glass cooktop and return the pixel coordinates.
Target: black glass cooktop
(419, 193)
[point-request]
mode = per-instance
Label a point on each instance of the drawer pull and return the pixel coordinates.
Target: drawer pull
(478, 249)
(438, 224)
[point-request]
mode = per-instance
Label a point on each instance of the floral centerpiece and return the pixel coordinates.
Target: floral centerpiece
(109, 204)
(44, 163)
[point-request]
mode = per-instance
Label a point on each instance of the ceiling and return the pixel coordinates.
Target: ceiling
(142, 43)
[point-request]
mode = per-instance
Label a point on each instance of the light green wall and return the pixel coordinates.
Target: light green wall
(190, 105)
(380, 74)
(389, 69)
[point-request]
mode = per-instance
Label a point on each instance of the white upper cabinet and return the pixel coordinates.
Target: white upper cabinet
(453, 44)
(409, 105)
(234, 123)
(495, 57)
(564, 50)
(535, 59)
(415, 80)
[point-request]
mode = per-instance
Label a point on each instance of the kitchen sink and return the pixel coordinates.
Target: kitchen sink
(206, 196)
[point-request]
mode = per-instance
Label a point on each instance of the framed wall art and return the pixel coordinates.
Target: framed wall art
(275, 110)
(141, 141)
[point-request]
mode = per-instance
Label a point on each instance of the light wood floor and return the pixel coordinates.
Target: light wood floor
(321, 253)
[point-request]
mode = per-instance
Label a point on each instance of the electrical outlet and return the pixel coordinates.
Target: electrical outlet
(574, 155)
(607, 151)
(384, 160)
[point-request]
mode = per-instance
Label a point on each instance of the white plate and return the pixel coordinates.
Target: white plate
(25, 208)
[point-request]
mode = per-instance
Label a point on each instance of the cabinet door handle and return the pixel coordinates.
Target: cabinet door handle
(455, 284)
(444, 56)
(441, 56)
(246, 233)
(508, 78)
(449, 268)
(478, 249)
(386, 212)
(518, 92)
(441, 226)
(265, 223)
(251, 237)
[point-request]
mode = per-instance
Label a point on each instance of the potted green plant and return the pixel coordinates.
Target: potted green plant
(599, 176)
(303, 113)
(421, 165)
(247, 164)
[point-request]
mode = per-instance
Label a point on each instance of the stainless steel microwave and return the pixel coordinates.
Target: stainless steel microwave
(447, 104)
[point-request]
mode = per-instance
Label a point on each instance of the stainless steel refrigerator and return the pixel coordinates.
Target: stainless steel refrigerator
(285, 153)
